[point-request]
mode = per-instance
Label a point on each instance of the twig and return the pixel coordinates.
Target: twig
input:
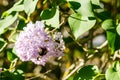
(73, 71)
(68, 70)
(41, 76)
(103, 45)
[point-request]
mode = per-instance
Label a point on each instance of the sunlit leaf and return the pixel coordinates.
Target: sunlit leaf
(87, 73)
(29, 6)
(113, 73)
(86, 8)
(96, 4)
(80, 24)
(118, 29)
(5, 23)
(16, 7)
(108, 24)
(54, 21)
(112, 35)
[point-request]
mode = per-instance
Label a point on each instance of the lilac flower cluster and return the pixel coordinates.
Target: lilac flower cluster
(36, 45)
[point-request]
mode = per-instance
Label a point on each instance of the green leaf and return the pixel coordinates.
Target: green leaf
(118, 16)
(87, 73)
(48, 13)
(95, 4)
(5, 23)
(21, 24)
(74, 5)
(3, 43)
(113, 73)
(100, 77)
(118, 29)
(16, 7)
(86, 8)
(16, 75)
(10, 55)
(54, 21)
(108, 24)
(104, 15)
(112, 35)
(29, 6)
(80, 24)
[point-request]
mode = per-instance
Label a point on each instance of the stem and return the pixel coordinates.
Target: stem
(81, 63)
(22, 17)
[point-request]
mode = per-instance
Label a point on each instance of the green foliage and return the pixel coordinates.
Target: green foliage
(48, 13)
(6, 22)
(118, 29)
(87, 73)
(29, 6)
(21, 25)
(74, 5)
(73, 18)
(16, 8)
(16, 75)
(3, 43)
(113, 73)
(79, 22)
(112, 35)
(103, 15)
(10, 55)
(54, 21)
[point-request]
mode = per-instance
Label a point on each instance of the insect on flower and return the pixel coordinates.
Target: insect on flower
(36, 45)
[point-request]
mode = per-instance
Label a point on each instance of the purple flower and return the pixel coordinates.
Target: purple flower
(36, 45)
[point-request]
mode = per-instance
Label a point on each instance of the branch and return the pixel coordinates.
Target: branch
(81, 63)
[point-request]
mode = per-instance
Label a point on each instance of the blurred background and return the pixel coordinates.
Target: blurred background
(94, 40)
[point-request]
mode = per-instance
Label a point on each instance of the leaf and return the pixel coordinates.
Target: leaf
(103, 15)
(10, 55)
(3, 43)
(113, 73)
(21, 24)
(54, 21)
(118, 29)
(100, 77)
(74, 5)
(16, 7)
(87, 73)
(29, 6)
(86, 8)
(5, 23)
(108, 24)
(95, 4)
(118, 16)
(48, 13)
(112, 35)
(16, 75)
(80, 24)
